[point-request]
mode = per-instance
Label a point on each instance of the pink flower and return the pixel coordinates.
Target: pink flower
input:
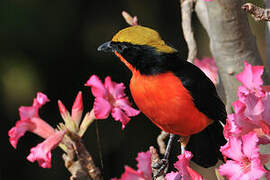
(144, 171)
(72, 122)
(184, 171)
(110, 98)
(254, 108)
(42, 152)
(266, 103)
(144, 164)
(209, 67)
(30, 121)
(251, 76)
(251, 80)
(245, 160)
(133, 21)
(267, 175)
(238, 124)
(77, 109)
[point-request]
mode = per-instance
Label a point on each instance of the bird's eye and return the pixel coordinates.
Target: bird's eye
(121, 47)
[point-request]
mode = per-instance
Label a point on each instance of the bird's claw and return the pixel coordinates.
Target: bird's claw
(161, 166)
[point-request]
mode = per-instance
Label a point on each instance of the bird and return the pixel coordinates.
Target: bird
(172, 92)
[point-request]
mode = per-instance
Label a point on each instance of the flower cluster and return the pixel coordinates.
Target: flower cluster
(109, 98)
(247, 128)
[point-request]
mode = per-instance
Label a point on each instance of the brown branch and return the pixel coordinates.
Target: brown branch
(155, 159)
(187, 7)
(258, 13)
(78, 160)
(160, 141)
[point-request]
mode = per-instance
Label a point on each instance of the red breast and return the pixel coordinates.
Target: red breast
(166, 102)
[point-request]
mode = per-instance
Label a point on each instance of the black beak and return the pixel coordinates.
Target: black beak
(106, 47)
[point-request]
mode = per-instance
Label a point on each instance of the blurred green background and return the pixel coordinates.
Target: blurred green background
(50, 46)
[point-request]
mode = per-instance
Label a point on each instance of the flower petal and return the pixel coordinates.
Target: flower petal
(42, 152)
(242, 123)
(42, 128)
(233, 150)
(267, 175)
(231, 169)
(251, 76)
(256, 170)
(144, 164)
(209, 67)
(184, 171)
(102, 108)
(115, 89)
(231, 128)
(242, 93)
(182, 164)
(194, 175)
(171, 176)
(266, 113)
(131, 174)
(41, 99)
(97, 87)
(18, 131)
(77, 109)
(119, 115)
(124, 104)
(254, 108)
(27, 112)
(250, 145)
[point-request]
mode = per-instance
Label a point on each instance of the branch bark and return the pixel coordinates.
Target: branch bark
(161, 141)
(258, 13)
(187, 7)
(78, 160)
(155, 159)
(231, 41)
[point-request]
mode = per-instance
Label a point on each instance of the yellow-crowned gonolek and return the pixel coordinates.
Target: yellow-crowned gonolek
(173, 93)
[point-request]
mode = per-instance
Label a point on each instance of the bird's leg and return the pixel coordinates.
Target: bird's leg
(183, 143)
(163, 164)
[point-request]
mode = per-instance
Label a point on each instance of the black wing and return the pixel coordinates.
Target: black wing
(206, 144)
(202, 89)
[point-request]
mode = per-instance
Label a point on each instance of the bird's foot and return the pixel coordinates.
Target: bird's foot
(161, 166)
(183, 143)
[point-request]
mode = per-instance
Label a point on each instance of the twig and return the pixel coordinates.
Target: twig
(78, 160)
(155, 159)
(187, 7)
(161, 143)
(258, 13)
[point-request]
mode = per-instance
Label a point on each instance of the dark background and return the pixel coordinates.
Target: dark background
(50, 46)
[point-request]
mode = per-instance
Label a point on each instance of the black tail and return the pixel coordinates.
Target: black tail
(206, 144)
